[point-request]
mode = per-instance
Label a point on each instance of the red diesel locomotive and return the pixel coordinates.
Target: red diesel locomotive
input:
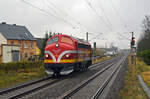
(64, 53)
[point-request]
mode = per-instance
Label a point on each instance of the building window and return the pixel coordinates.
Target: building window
(31, 53)
(26, 55)
(31, 45)
(12, 42)
(25, 45)
(20, 45)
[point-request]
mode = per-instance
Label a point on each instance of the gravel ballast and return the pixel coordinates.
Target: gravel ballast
(118, 83)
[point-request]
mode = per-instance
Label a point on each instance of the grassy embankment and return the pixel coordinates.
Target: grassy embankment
(146, 75)
(13, 76)
(132, 88)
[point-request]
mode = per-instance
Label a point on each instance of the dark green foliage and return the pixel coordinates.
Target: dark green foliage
(145, 56)
(47, 36)
(143, 43)
(15, 66)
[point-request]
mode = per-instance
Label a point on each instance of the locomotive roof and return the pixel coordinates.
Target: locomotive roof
(79, 40)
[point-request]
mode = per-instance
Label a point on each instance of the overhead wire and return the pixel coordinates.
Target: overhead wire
(124, 37)
(63, 13)
(55, 16)
(80, 25)
(42, 10)
(95, 37)
(56, 8)
(51, 8)
(103, 11)
(60, 12)
(100, 17)
(121, 18)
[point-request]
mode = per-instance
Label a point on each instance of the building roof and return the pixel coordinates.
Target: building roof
(15, 32)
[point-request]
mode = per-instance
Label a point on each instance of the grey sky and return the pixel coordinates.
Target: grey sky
(75, 17)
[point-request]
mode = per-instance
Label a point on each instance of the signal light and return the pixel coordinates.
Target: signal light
(133, 41)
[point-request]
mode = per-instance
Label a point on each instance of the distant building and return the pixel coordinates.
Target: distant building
(16, 43)
(111, 51)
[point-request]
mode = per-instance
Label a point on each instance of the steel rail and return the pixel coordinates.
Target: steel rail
(103, 86)
(16, 96)
(103, 62)
(43, 83)
(23, 85)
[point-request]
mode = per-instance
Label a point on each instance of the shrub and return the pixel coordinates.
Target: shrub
(145, 56)
(14, 66)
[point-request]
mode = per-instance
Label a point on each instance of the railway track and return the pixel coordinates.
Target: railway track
(83, 84)
(31, 87)
(28, 88)
(103, 62)
(104, 85)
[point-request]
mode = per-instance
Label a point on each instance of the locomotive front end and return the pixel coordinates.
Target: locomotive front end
(59, 55)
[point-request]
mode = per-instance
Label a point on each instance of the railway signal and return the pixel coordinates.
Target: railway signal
(133, 41)
(133, 49)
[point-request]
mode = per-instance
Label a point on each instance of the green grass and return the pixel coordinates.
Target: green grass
(132, 88)
(144, 71)
(12, 78)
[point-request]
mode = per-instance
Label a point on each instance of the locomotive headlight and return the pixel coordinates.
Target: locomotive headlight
(67, 55)
(46, 56)
(57, 45)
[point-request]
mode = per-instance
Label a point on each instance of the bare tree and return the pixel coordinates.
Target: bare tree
(144, 42)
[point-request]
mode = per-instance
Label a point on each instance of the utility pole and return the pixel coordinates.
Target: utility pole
(94, 49)
(87, 36)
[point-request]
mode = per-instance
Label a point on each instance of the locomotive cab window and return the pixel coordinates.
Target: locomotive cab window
(53, 40)
(80, 45)
(65, 39)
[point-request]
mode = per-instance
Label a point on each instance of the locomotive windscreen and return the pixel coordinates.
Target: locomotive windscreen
(65, 39)
(53, 40)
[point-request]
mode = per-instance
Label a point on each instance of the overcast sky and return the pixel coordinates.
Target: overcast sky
(113, 18)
